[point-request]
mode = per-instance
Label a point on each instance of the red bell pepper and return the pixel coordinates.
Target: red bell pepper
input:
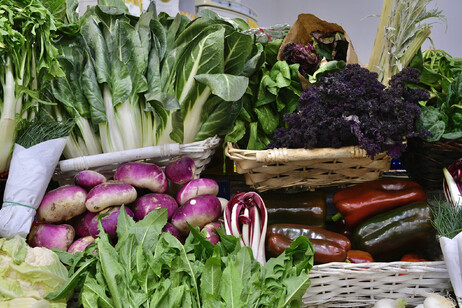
(359, 256)
(367, 199)
(328, 246)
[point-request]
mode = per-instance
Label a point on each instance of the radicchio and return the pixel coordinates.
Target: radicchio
(452, 183)
(246, 217)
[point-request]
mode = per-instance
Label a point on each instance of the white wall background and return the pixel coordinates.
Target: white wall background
(354, 17)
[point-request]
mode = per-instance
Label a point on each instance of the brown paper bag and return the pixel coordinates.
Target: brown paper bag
(300, 33)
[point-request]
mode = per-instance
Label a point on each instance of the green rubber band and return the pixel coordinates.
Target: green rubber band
(11, 203)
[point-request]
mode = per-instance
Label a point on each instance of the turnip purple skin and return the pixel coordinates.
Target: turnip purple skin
(142, 175)
(181, 171)
(145, 204)
(80, 244)
(198, 212)
(173, 231)
(62, 204)
(211, 232)
(110, 193)
(51, 236)
(109, 221)
(89, 179)
(81, 225)
(196, 188)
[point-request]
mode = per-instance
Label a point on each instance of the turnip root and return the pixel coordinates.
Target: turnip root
(89, 179)
(196, 188)
(110, 193)
(80, 244)
(173, 231)
(198, 212)
(62, 204)
(181, 171)
(81, 225)
(145, 204)
(211, 232)
(142, 175)
(51, 236)
(109, 221)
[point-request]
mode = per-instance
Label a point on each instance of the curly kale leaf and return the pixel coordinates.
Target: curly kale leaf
(352, 107)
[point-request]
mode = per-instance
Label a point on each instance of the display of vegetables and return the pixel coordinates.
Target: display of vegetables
(452, 183)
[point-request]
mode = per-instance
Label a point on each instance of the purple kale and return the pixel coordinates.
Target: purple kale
(352, 107)
(305, 55)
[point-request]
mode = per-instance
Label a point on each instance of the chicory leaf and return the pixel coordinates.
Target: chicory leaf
(94, 295)
(231, 286)
(211, 277)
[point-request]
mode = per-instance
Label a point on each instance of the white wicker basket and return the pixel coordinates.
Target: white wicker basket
(201, 152)
(341, 284)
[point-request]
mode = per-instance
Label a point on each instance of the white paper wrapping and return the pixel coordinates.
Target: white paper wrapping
(29, 174)
(452, 252)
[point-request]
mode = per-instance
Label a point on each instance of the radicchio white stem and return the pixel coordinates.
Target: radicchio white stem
(452, 189)
(245, 216)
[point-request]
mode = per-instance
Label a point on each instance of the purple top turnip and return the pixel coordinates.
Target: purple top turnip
(198, 212)
(173, 231)
(142, 175)
(211, 233)
(181, 171)
(196, 188)
(110, 193)
(80, 244)
(89, 179)
(109, 221)
(62, 204)
(51, 236)
(145, 204)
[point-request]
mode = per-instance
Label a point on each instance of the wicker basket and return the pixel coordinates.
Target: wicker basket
(341, 284)
(201, 152)
(310, 169)
(424, 161)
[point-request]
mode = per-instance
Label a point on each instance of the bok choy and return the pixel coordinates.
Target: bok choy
(197, 76)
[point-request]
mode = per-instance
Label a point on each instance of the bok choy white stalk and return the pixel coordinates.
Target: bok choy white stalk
(246, 217)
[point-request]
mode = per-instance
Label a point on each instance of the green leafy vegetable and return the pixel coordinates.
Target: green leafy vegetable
(442, 77)
(274, 90)
(166, 273)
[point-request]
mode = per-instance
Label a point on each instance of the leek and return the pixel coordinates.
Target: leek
(26, 51)
(401, 32)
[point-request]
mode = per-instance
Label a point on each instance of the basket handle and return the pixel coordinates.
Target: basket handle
(287, 155)
(94, 161)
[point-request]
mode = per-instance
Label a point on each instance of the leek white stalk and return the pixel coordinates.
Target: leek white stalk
(7, 122)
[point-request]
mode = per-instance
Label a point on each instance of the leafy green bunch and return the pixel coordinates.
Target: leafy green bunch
(151, 268)
(442, 77)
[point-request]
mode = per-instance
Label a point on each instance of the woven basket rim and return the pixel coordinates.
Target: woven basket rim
(286, 154)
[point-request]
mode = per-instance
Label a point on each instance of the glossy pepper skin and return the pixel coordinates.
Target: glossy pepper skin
(387, 236)
(307, 208)
(370, 198)
(328, 246)
(359, 256)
